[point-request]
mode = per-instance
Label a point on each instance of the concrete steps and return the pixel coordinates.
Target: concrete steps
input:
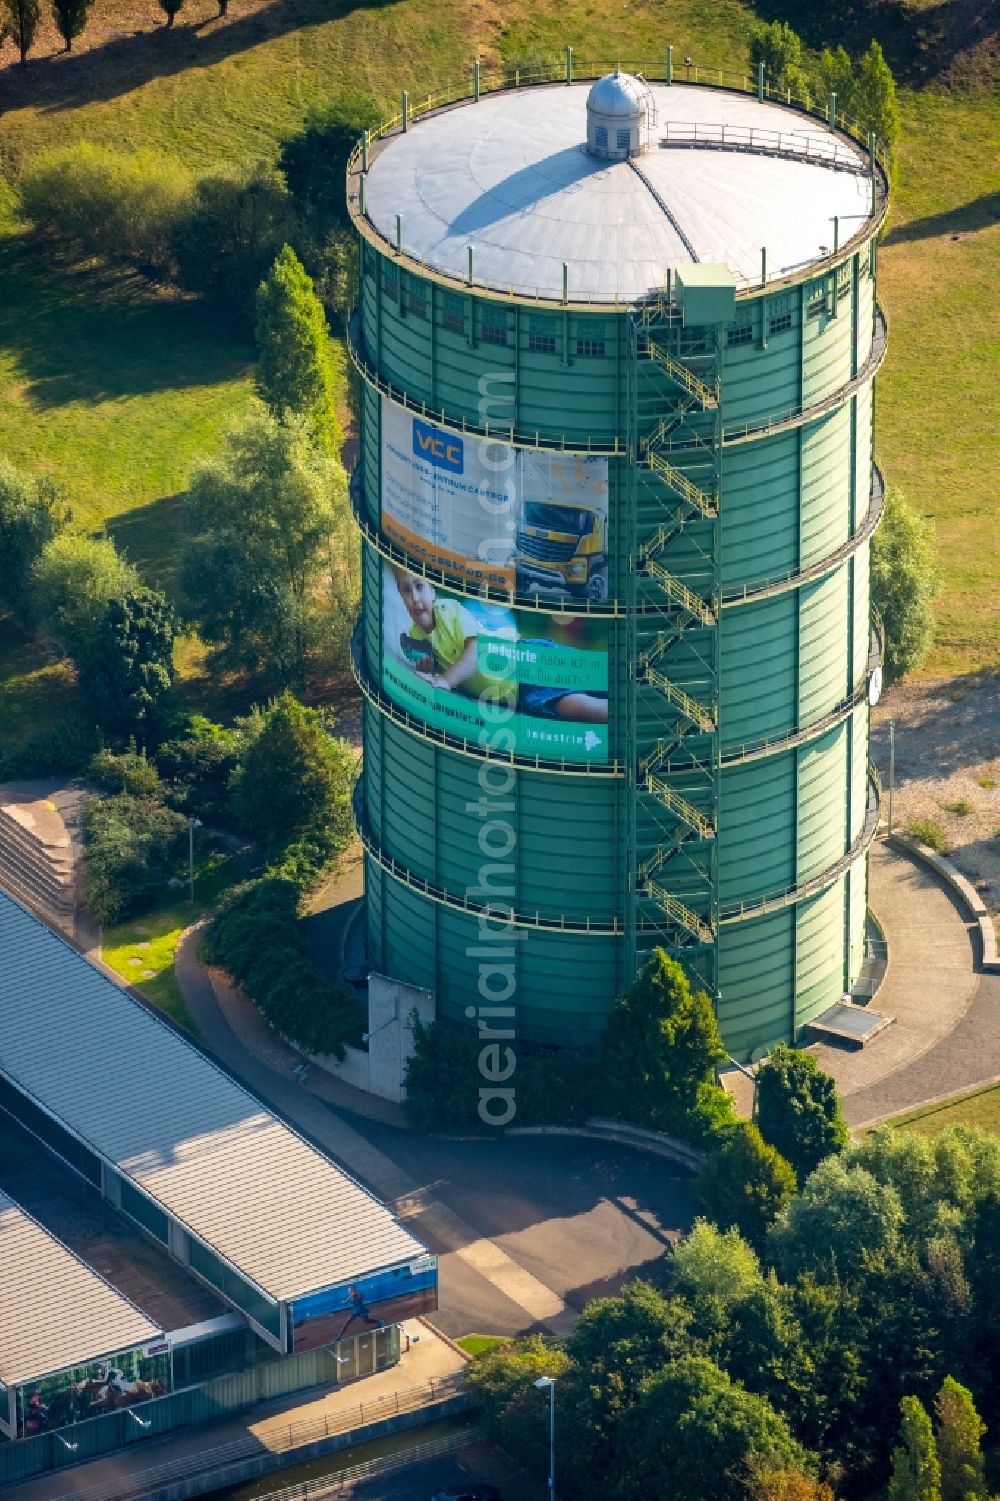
(36, 860)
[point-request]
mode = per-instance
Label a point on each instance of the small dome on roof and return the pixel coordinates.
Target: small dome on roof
(618, 94)
(620, 111)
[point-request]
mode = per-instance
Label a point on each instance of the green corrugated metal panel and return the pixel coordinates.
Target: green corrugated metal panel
(564, 982)
(785, 662)
(826, 486)
(431, 824)
(758, 693)
(756, 968)
(746, 396)
(759, 514)
(858, 726)
(823, 645)
(866, 314)
(826, 350)
(863, 449)
(371, 606)
(564, 382)
(862, 611)
(858, 897)
(757, 829)
(822, 817)
(819, 953)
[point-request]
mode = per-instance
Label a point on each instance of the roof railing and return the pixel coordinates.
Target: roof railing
(480, 83)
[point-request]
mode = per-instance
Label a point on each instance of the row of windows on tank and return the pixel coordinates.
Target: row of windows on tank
(589, 335)
(820, 299)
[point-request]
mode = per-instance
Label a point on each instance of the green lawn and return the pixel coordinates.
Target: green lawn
(142, 950)
(476, 1344)
(115, 388)
(980, 1108)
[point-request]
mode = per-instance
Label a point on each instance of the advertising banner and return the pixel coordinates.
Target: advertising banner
(516, 680)
(404, 1292)
(89, 1391)
(483, 510)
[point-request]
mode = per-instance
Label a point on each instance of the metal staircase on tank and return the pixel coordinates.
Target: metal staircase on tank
(673, 592)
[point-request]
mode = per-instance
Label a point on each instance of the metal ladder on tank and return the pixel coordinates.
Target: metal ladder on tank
(673, 593)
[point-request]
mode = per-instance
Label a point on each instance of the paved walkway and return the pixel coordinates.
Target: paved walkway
(946, 1036)
(525, 1235)
(273, 1426)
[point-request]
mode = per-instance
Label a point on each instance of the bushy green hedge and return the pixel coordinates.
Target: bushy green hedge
(257, 939)
(443, 1081)
(133, 847)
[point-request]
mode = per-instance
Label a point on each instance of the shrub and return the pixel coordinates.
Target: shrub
(928, 831)
(133, 847)
(31, 514)
(961, 807)
(98, 202)
(443, 1082)
(196, 767)
(129, 772)
(65, 747)
(256, 938)
(746, 1184)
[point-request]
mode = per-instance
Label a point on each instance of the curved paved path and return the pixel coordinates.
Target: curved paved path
(946, 1036)
(527, 1232)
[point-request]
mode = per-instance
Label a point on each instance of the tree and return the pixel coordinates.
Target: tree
(133, 845)
(262, 523)
(293, 777)
(23, 18)
(31, 514)
(170, 9)
(295, 372)
(779, 48)
(745, 1184)
(873, 99)
(661, 1048)
(916, 1473)
(240, 219)
(126, 669)
(692, 1432)
(767, 1484)
(840, 1221)
(714, 1264)
(514, 1411)
(70, 18)
(798, 1111)
(904, 582)
(960, 1432)
(837, 73)
(314, 161)
(75, 579)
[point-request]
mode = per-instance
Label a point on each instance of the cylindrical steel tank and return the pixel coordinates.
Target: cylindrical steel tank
(616, 490)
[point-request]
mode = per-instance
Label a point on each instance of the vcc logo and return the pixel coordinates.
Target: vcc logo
(444, 450)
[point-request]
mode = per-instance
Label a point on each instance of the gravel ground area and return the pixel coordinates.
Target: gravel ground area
(948, 768)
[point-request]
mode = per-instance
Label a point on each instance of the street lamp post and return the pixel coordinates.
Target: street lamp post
(548, 1383)
(193, 823)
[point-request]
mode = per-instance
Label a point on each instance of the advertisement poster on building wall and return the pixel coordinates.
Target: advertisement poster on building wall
(403, 1292)
(89, 1391)
(484, 511)
(520, 680)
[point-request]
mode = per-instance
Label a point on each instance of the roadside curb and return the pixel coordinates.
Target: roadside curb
(599, 1128)
(964, 890)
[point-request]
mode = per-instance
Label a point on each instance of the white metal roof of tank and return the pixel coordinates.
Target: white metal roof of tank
(55, 1311)
(509, 176)
(201, 1146)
